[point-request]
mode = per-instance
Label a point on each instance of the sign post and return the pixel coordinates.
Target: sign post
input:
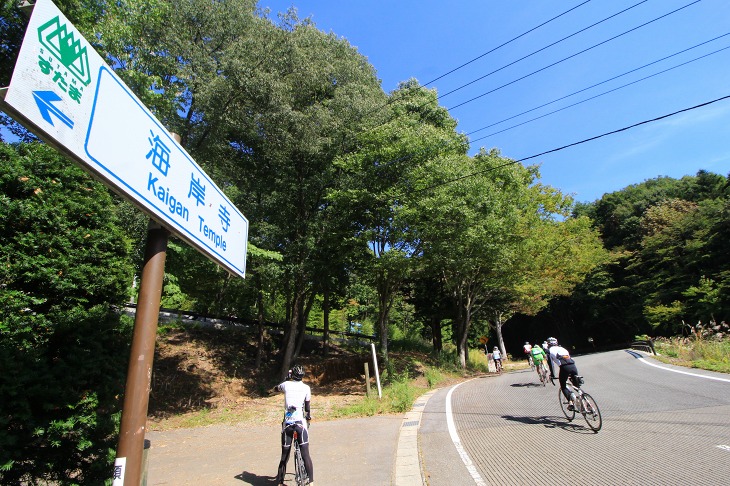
(65, 93)
(128, 463)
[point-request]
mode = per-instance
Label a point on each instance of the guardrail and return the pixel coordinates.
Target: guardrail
(645, 345)
(187, 316)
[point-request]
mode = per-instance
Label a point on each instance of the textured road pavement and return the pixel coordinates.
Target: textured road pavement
(659, 427)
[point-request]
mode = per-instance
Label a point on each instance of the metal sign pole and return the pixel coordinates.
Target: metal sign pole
(128, 463)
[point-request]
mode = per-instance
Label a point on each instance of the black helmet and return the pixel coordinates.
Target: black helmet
(552, 341)
(297, 372)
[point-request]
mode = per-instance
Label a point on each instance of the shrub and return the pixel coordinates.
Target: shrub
(63, 350)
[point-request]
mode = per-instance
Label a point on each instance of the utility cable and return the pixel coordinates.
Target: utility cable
(505, 43)
(392, 100)
(571, 56)
(587, 99)
(613, 132)
(542, 49)
(445, 145)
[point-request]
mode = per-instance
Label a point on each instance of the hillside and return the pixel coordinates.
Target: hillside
(206, 375)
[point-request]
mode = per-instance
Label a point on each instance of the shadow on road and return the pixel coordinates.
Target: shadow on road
(528, 385)
(254, 479)
(551, 422)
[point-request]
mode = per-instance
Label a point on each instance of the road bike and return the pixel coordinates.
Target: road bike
(300, 472)
(498, 365)
(583, 404)
(542, 372)
(530, 361)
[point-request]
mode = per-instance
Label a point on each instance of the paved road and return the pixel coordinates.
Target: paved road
(659, 427)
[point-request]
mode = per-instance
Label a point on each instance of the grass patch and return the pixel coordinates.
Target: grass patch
(699, 353)
(433, 377)
(398, 397)
(205, 417)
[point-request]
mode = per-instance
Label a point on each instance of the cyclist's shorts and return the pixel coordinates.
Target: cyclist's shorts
(287, 434)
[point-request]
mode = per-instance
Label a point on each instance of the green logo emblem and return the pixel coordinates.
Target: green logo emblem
(66, 48)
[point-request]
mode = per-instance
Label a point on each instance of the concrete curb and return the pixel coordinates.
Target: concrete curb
(408, 468)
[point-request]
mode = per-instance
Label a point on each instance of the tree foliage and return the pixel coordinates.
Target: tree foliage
(65, 262)
(669, 241)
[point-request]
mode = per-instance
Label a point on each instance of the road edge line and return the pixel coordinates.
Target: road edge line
(641, 358)
(457, 442)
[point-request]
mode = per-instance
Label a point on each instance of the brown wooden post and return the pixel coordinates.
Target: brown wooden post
(130, 449)
(128, 463)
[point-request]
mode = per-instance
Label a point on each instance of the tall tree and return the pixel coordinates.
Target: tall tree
(382, 174)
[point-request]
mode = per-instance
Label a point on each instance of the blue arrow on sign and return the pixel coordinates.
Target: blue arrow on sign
(45, 100)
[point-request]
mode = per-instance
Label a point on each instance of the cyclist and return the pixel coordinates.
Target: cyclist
(527, 350)
(560, 358)
(538, 357)
(297, 397)
(497, 357)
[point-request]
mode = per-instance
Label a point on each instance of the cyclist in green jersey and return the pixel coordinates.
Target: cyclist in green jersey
(538, 357)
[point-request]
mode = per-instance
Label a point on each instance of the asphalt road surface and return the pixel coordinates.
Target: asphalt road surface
(659, 427)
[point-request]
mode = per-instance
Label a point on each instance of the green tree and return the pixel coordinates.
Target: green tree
(65, 265)
(379, 188)
(465, 221)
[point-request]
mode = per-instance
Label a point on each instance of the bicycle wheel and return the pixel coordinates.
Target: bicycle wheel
(591, 412)
(300, 472)
(543, 376)
(569, 414)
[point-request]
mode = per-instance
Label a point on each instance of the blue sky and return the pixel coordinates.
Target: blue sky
(425, 39)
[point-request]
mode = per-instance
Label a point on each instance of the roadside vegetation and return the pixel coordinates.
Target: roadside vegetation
(713, 355)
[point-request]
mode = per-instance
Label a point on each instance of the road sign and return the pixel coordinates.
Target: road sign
(65, 93)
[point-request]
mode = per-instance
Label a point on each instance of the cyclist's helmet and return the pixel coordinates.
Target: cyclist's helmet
(552, 341)
(527, 342)
(495, 348)
(297, 373)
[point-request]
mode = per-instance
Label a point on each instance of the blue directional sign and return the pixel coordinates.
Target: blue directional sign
(64, 92)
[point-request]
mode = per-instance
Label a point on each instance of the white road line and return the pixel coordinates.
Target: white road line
(457, 442)
(638, 356)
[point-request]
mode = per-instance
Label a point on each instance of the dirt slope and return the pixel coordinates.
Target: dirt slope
(206, 375)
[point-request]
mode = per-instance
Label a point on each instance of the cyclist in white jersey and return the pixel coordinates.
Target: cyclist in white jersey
(297, 397)
(560, 358)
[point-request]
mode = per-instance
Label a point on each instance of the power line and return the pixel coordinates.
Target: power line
(545, 67)
(574, 143)
(445, 144)
(592, 97)
(542, 49)
(392, 100)
(572, 56)
(505, 43)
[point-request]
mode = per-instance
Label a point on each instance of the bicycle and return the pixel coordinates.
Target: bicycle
(301, 478)
(498, 365)
(542, 372)
(583, 403)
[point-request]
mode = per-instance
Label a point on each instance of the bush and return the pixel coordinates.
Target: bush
(63, 350)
